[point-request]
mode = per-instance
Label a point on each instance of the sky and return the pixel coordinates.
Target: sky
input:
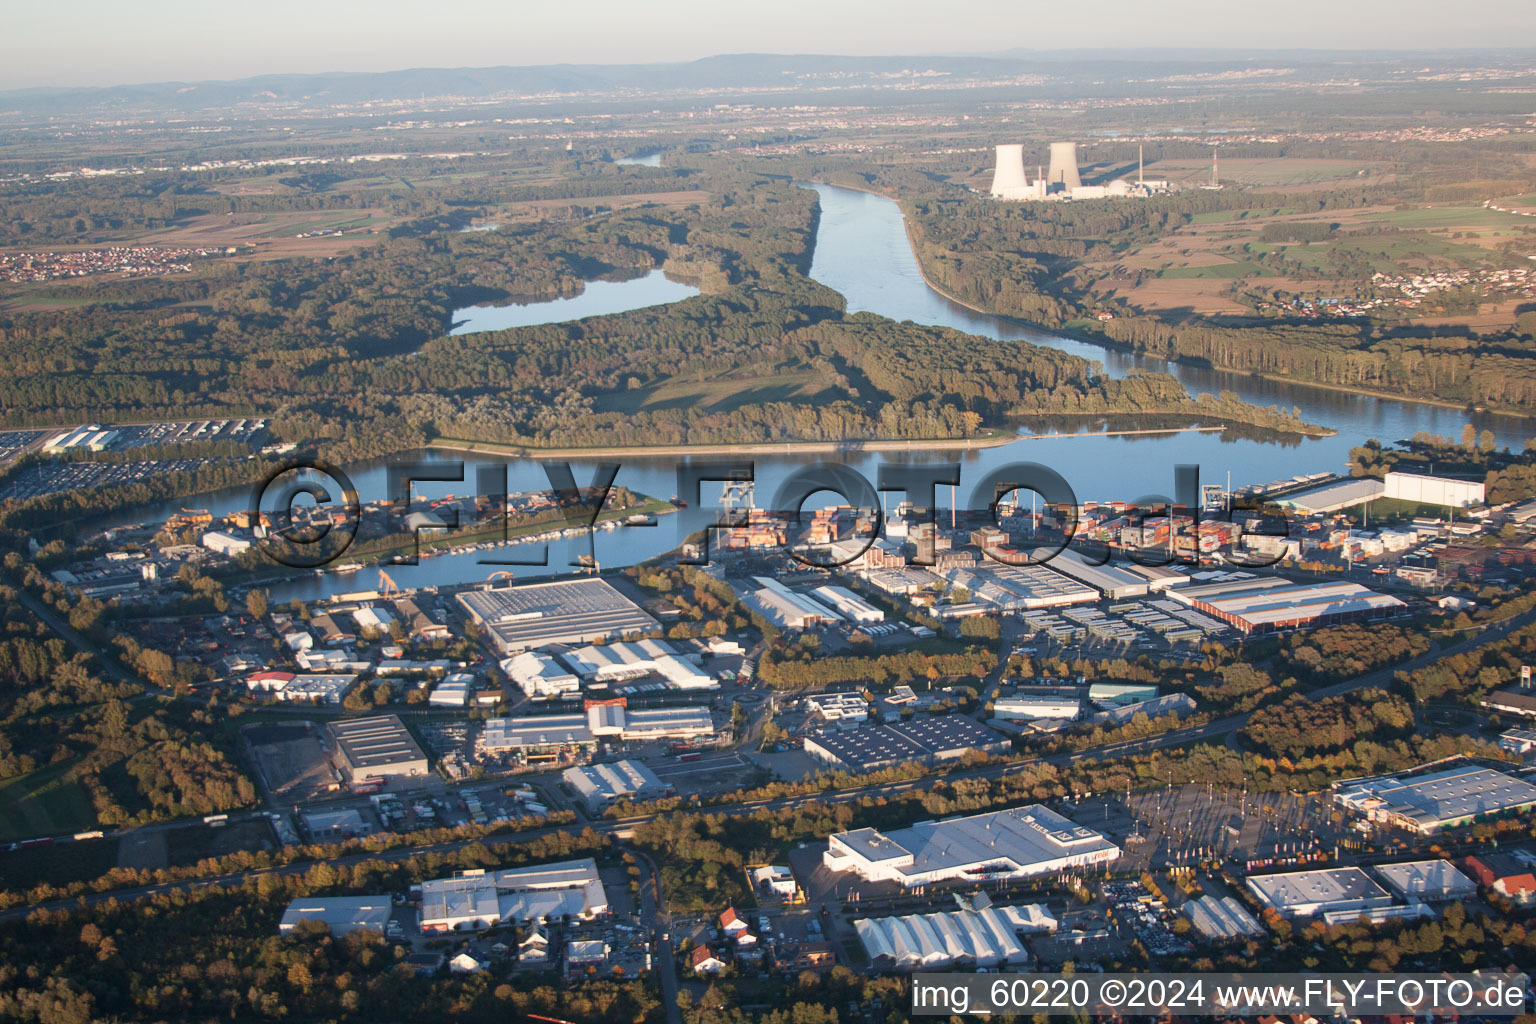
(112, 42)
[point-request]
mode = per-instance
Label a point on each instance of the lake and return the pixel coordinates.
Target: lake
(597, 298)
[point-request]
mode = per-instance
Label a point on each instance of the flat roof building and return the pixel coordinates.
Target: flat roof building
(575, 611)
(1014, 843)
(600, 786)
(946, 737)
(1444, 799)
(635, 660)
(1114, 583)
(342, 914)
(539, 675)
(788, 609)
(1310, 893)
(1431, 881)
(480, 899)
(1269, 604)
(380, 747)
(924, 737)
(1333, 497)
(1222, 918)
(848, 604)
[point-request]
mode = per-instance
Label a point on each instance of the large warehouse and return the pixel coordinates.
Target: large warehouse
(1267, 604)
(1444, 799)
(1113, 582)
(1434, 490)
(378, 747)
(482, 899)
(1015, 843)
(575, 611)
(1222, 917)
(342, 914)
(1430, 881)
(1309, 893)
(601, 785)
(923, 737)
(606, 720)
(987, 936)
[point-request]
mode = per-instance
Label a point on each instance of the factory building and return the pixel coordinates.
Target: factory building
(1114, 583)
(1015, 843)
(473, 900)
(1310, 893)
(848, 604)
(1269, 604)
(577, 611)
(930, 739)
(839, 707)
(379, 747)
(1015, 588)
(1029, 707)
(1428, 881)
(539, 675)
(342, 914)
(1434, 490)
(226, 544)
(635, 660)
(786, 608)
(986, 936)
(1333, 497)
(611, 720)
(313, 687)
(1439, 800)
(1222, 918)
(600, 786)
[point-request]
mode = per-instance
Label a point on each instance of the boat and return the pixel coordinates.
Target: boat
(678, 502)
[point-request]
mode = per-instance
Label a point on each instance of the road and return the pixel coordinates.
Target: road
(653, 910)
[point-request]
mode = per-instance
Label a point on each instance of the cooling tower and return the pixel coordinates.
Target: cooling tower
(1064, 165)
(1008, 180)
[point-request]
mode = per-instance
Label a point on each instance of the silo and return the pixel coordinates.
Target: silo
(1064, 165)
(1008, 181)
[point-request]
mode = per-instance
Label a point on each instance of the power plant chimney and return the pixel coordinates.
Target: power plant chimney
(1008, 180)
(1064, 165)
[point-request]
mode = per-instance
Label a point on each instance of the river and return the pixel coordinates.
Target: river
(862, 251)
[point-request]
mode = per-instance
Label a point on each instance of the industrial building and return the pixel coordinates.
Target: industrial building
(1222, 918)
(226, 544)
(1114, 583)
(848, 604)
(1439, 800)
(481, 899)
(1333, 497)
(342, 914)
(786, 608)
(987, 936)
(539, 675)
(608, 720)
(863, 750)
(577, 611)
(926, 738)
(1064, 706)
(1310, 893)
(1014, 843)
(836, 707)
(313, 687)
(1434, 490)
(1269, 604)
(1015, 588)
(379, 747)
(600, 786)
(635, 660)
(1430, 881)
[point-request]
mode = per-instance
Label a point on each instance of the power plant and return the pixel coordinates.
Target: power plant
(1011, 182)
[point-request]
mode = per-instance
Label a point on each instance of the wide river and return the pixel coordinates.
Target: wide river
(862, 251)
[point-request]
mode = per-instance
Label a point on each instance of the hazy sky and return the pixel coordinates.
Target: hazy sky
(106, 42)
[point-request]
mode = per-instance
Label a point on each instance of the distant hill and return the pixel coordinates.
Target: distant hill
(732, 76)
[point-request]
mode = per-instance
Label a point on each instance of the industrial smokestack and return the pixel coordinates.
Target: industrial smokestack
(1008, 180)
(1064, 165)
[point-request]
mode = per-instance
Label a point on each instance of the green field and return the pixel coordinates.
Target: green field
(1220, 270)
(1448, 217)
(721, 394)
(44, 803)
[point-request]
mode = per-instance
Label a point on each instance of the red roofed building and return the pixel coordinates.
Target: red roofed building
(1504, 874)
(731, 924)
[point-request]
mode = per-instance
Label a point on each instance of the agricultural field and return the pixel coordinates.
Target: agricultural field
(1293, 174)
(46, 802)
